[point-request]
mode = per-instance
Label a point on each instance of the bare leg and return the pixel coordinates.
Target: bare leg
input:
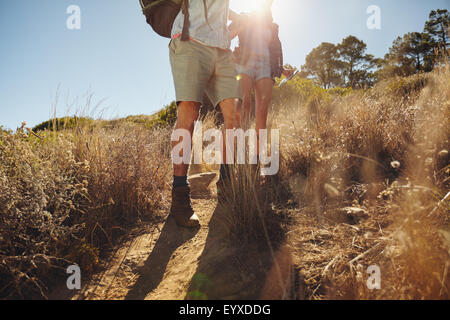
(263, 98)
(247, 87)
(188, 112)
(232, 116)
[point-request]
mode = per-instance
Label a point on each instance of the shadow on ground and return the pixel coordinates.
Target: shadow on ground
(151, 274)
(230, 272)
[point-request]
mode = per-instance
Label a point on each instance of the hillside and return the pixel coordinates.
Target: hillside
(363, 181)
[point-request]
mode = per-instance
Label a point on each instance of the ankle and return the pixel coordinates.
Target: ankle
(180, 181)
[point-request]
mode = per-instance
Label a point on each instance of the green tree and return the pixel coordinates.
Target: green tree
(323, 66)
(418, 47)
(356, 64)
(437, 30)
(408, 55)
(437, 27)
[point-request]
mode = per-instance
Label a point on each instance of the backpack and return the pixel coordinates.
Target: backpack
(276, 53)
(161, 14)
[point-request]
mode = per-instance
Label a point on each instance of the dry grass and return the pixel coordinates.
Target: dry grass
(364, 179)
(65, 196)
(370, 170)
(246, 211)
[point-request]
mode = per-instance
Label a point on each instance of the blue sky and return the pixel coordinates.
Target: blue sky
(118, 58)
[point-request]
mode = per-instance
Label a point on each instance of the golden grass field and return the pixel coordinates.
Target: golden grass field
(364, 180)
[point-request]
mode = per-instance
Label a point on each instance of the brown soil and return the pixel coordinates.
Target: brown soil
(167, 262)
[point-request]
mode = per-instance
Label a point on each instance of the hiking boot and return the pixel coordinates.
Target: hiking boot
(181, 209)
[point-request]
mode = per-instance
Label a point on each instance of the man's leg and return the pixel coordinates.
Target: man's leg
(232, 117)
(231, 111)
(224, 90)
(192, 68)
(181, 209)
(188, 112)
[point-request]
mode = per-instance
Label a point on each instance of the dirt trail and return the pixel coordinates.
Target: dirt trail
(168, 262)
(159, 263)
(155, 265)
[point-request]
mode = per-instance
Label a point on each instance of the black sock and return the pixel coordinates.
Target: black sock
(180, 181)
(224, 172)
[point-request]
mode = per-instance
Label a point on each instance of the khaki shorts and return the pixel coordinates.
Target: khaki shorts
(199, 69)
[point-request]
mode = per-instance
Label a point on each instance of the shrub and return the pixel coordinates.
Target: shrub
(404, 87)
(42, 194)
(338, 91)
(66, 196)
(58, 124)
(164, 118)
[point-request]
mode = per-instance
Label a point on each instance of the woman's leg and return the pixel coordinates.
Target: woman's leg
(247, 87)
(263, 93)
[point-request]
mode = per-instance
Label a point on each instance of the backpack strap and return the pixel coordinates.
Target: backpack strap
(186, 24)
(185, 10)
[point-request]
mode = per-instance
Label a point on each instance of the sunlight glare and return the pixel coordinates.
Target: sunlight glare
(248, 5)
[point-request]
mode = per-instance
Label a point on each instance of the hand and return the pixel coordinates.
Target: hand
(288, 73)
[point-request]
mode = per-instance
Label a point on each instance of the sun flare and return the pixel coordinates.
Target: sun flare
(249, 5)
